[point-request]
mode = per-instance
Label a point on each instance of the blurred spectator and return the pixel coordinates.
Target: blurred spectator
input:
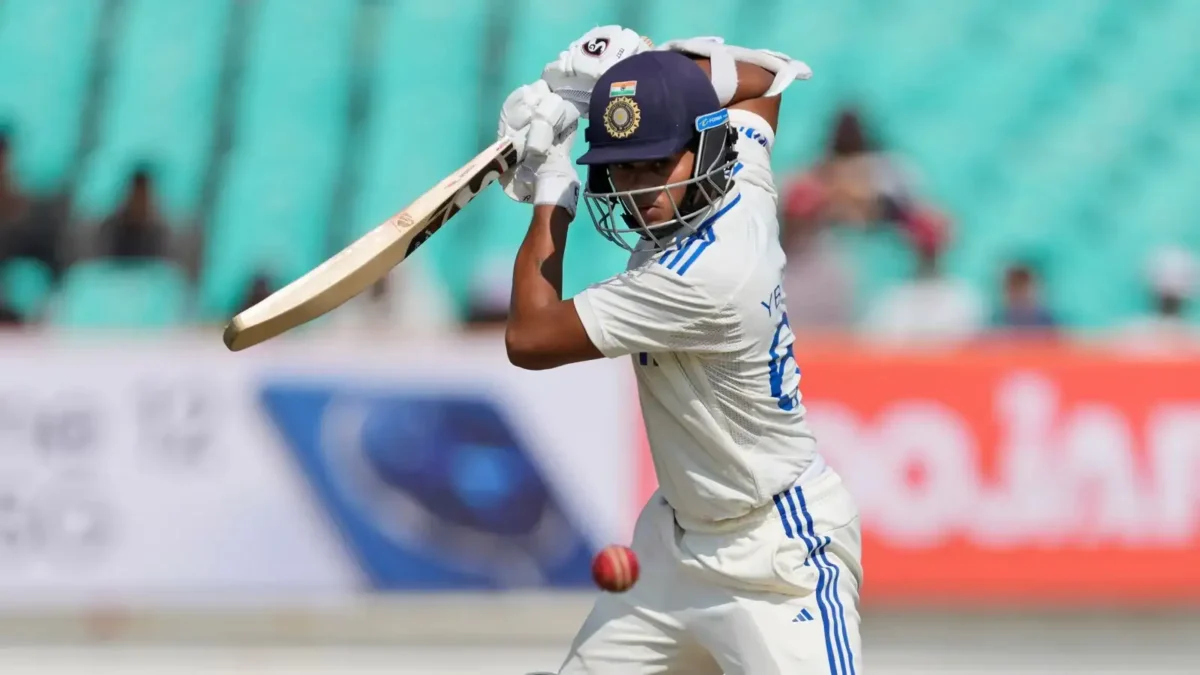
(930, 308)
(407, 301)
(15, 206)
(860, 184)
(847, 172)
(135, 230)
(1022, 308)
(8, 317)
(29, 227)
(491, 291)
(1171, 276)
(818, 280)
(260, 288)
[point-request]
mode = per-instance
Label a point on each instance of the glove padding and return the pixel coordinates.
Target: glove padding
(539, 123)
(575, 72)
(557, 181)
(536, 119)
(723, 60)
(542, 118)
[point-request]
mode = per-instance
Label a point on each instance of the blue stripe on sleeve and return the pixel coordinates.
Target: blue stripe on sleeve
(706, 235)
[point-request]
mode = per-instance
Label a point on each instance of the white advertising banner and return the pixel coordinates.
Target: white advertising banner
(173, 468)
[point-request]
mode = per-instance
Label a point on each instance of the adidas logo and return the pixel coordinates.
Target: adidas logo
(803, 616)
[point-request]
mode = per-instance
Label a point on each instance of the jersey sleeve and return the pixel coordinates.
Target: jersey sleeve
(653, 309)
(755, 139)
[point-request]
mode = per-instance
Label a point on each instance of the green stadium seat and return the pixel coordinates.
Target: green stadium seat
(273, 211)
(664, 20)
(543, 28)
(297, 71)
(162, 98)
(121, 294)
(270, 218)
(45, 55)
(427, 121)
(26, 284)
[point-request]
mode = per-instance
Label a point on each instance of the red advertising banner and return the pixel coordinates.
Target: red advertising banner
(1015, 475)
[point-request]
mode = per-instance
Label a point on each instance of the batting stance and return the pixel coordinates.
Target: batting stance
(750, 547)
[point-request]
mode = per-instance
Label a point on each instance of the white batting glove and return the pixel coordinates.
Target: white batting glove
(558, 182)
(539, 123)
(574, 73)
(536, 119)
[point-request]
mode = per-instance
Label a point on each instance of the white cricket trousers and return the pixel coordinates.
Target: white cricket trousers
(773, 592)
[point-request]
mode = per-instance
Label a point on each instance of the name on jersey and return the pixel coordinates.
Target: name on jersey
(774, 302)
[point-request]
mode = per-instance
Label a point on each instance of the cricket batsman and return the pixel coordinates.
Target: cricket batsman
(750, 549)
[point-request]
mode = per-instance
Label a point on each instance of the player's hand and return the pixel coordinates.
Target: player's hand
(575, 72)
(539, 123)
(537, 120)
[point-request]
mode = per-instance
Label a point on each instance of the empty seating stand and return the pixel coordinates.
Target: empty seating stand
(45, 50)
(274, 207)
(160, 104)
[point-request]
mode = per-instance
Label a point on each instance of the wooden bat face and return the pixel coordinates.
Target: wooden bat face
(476, 182)
(366, 261)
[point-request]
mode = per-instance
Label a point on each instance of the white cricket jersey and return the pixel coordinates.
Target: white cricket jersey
(705, 323)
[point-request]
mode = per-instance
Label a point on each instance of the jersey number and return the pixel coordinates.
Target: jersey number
(778, 366)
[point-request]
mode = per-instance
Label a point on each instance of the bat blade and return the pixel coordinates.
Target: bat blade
(369, 259)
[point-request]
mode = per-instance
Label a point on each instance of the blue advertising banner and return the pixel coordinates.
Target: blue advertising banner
(429, 491)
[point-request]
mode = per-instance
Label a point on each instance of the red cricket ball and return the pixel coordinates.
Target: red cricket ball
(615, 569)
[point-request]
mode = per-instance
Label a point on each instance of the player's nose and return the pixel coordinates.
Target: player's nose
(645, 179)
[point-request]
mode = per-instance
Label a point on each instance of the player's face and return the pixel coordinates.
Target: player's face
(655, 206)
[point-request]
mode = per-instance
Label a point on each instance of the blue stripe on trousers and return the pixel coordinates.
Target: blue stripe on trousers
(844, 635)
(827, 616)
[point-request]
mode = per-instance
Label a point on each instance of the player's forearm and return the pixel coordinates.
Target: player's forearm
(537, 289)
(537, 275)
(543, 330)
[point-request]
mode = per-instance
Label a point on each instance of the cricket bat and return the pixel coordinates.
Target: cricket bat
(364, 262)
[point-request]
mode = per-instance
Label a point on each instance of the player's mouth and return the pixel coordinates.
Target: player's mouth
(648, 212)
